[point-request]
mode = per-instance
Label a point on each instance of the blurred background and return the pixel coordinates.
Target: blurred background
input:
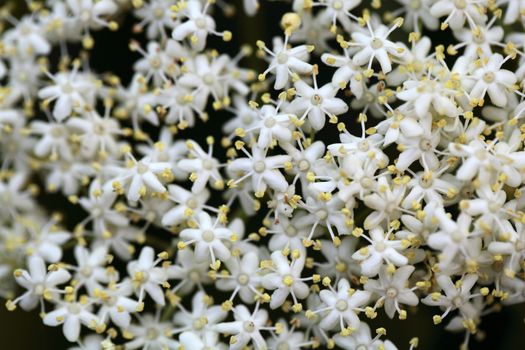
(21, 330)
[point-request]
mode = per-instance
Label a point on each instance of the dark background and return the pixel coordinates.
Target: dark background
(22, 330)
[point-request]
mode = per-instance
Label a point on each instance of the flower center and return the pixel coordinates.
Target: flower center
(489, 77)
(460, 4)
(341, 305)
(198, 324)
(208, 164)
(200, 23)
(73, 309)
(425, 181)
(25, 30)
(479, 37)
(39, 289)
(243, 279)
(85, 16)
(67, 88)
(337, 5)
(391, 292)
(208, 236)
(377, 43)
(191, 203)
(56, 132)
(194, 276)
(152, 333)
(283, 346)
(291, 231)
(380, 247)
(366, 182)
(288, 280)
(415, 4)
(141, 168)
(457, 301)
(361, 347)
(425, 145)
(457, 236)
(481, 154)
(494, 207)
(86, 271)
(99, 128)
(247, 119)
(155, 62)
(341, 267)
(322, 214)
(304, 165)
(158, 13)
(316, 100)
(269, 122)
(282, 58)
(208, 78)
(364, 146)
(369, 97)
(259, 166)
(249, 326)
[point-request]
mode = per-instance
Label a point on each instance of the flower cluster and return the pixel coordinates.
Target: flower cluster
(366, 169)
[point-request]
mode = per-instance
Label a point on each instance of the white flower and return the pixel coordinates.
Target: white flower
(286, 279)
(393, 290)
(262, 169)
(362, 338)
(417, 10)
(151, 333)
(286, 61)
(191, 340)
(53, 142)
(46, 239)
(68, 92)
(40, 283)
(146, 277)
(456, 296)
(271, 125)
(317, 103)
(92, 13)
(140, 176)
(209, 238)
(156, 64)
(97, 133)
(375, 45)
(27, 38)
(203, 316)
(491, 79)
(339, 10)
(190, 271)
(457, 12)
(346, 72)
(425, 93)
(116, 305)
(71, 315)
(385, 201)
(198, 25)
(247, 326)
(342, 305)
(155, 16)
(202, 166)
(188, 205)
(422, 148)
(243, 278)
(99, 205)
(90, 270)
(15, 199)
(381, 248)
